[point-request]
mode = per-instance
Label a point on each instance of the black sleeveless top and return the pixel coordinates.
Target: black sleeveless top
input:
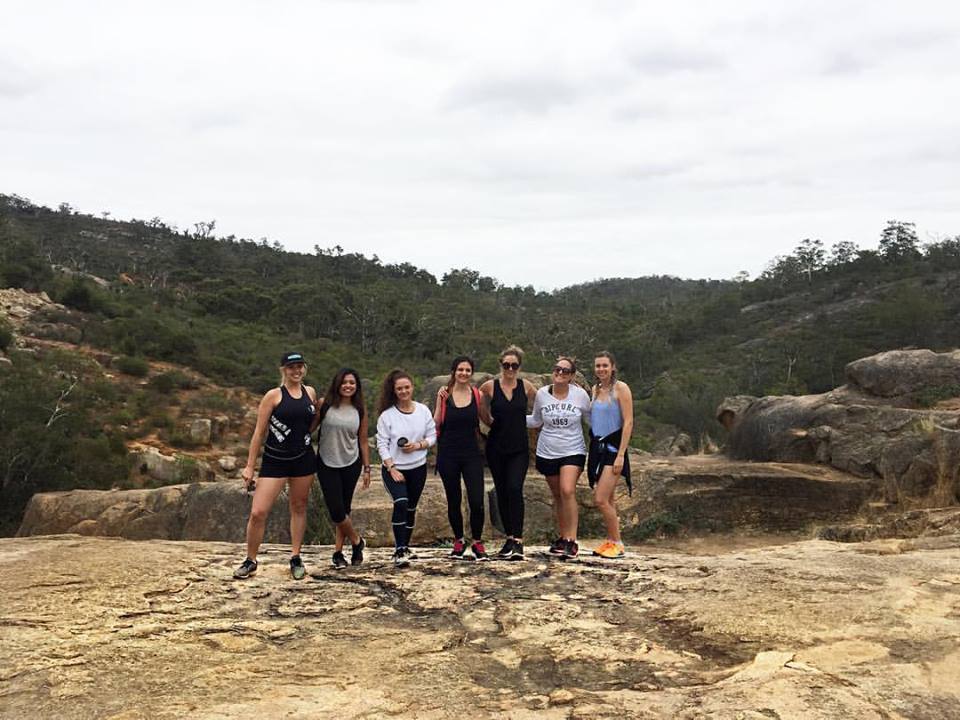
(458, 436)
(288, 430)
(509, 432)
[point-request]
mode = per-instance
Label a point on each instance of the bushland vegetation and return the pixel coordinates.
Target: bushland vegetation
(227, 306)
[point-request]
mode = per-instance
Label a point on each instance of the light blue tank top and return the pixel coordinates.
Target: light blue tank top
(605, 417)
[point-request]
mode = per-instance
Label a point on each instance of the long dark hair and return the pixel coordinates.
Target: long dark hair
(613, 372)
(388, 396)
(453, 368)
(333, 396)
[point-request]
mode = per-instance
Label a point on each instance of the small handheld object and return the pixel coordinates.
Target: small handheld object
(402, 442)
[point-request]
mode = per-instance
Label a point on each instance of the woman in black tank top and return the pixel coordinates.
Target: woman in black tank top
(458, 455)
(506, 401)
(284, 419)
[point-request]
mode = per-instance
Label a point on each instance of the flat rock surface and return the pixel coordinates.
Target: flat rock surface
(113, 628)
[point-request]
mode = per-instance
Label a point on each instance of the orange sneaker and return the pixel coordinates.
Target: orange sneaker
(603, 548)
(611, 550)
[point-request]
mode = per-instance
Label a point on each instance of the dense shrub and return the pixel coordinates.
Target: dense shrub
(135, 366)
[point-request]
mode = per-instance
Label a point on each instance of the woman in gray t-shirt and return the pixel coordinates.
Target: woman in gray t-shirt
(341, 455)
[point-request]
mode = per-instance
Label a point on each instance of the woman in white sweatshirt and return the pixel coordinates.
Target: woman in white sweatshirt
(405, 432)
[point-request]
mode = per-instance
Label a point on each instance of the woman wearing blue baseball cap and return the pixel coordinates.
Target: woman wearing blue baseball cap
(284, 419)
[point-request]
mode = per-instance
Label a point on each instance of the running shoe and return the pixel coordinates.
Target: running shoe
(248, 568)
(571, 549)
(556, 547)
(410, 554)
(603, 548)
(611, 550)
(516, 552)
(479, 551)
(458, 547)
(297, 570)
(356, 555)
(400, 558)
(506, 550)
(339, 561)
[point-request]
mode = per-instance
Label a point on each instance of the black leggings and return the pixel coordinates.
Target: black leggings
(509, 472)
(338, 485)
(471, 469)
(405, 496)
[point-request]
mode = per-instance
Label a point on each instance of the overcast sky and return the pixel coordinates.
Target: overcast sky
(546, 143)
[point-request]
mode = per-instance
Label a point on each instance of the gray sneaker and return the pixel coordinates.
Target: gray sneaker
(297, 570)
(248, 568)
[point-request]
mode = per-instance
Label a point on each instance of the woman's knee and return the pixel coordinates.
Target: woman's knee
(258, 515)
(298, 505)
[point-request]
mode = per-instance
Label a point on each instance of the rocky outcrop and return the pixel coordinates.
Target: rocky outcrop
(109, 628)
(937, 522)
(197, 511)
(899, 373)
(866, 428)
(670, 494)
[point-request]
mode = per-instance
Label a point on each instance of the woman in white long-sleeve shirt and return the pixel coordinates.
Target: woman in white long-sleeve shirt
(405, 432)
(560, 409)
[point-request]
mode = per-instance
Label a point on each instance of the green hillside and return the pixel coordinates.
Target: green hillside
(227, 307)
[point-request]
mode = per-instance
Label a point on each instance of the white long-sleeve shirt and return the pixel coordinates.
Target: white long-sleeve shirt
(562, 433)
(414, 426)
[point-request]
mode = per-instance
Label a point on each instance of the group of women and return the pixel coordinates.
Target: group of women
(406, 430)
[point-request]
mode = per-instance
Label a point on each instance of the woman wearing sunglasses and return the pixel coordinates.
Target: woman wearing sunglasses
(560, 409)
(506, 400)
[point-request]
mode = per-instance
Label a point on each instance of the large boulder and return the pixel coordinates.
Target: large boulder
(901, 372)
(868, 428)
(197, 511)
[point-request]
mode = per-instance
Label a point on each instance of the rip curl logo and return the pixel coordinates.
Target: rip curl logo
(311, 409)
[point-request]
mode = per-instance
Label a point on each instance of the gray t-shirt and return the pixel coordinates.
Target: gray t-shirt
(338, 445)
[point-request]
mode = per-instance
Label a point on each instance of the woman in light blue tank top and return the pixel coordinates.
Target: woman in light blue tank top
(611, 425)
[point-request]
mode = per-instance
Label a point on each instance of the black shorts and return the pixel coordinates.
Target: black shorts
(306, 464)
(551, 466)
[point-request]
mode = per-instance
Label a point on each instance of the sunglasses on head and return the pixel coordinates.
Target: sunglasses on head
(562, 370)
(510, 365)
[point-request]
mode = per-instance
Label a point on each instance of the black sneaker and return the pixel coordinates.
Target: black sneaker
(458, 547)
(400, 558)
(516, 552)
(248, 568)
(479, 551)
(339, 561)
(506, 550)
(556, 547)
(356, 555)
(410, 554)
(571, 549)
(297, 570)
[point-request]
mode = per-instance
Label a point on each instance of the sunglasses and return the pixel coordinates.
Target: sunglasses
(562, 370)
(510, 366)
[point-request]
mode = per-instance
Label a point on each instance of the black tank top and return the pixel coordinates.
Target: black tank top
(288, 430)
(458, 437)
(509, 431)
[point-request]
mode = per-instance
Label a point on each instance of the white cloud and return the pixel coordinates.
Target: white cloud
(522, 139)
